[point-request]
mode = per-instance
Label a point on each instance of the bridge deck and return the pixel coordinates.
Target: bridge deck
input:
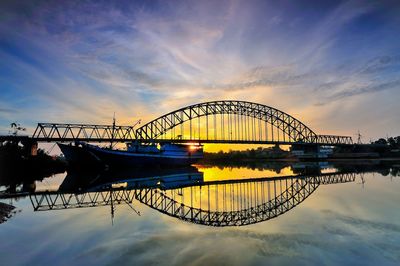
(200, 141)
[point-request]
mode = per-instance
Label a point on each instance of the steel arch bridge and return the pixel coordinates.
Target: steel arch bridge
(233, 122)
(220, 203)
(209, 122)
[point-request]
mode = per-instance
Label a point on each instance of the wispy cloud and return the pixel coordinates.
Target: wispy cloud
(363, 90)
(8, 110)
(338, 242)
(87, 60)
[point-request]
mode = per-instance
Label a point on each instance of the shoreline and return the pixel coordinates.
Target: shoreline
(6, 212)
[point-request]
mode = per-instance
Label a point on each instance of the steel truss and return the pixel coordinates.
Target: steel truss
(248, 115)
(60, 201)
(230, 121)
(82, 132)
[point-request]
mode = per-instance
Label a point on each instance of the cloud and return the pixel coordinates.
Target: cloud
(381, 64)
(341, 240)
(363, 90)
(8, 110)
(90, 59)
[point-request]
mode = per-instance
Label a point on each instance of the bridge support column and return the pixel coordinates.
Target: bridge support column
(30, 147)
(34, 148)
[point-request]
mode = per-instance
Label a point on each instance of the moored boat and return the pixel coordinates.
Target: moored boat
(136, 154)
(79, 157)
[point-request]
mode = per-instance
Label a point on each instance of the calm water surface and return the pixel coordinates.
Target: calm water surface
(328, 216)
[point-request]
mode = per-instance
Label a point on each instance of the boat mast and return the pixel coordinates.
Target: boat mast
(112, 132)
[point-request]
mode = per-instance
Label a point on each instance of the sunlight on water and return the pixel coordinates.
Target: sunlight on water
(229, 173)
(231, 197)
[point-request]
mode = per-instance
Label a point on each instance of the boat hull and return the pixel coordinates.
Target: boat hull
(86, 155)
(124, 158)
(78, 157)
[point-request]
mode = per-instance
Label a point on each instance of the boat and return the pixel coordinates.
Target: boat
(79, 157)
(135, 155)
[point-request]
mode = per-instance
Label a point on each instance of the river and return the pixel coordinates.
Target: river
(303, 214)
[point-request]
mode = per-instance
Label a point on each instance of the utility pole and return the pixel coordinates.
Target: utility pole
(112, 131)
(359, 137)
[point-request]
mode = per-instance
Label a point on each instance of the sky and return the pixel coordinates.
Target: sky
(334, 65)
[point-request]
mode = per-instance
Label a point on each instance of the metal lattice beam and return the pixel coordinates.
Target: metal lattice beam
(73, 132)
(292, 130)
(210, 122)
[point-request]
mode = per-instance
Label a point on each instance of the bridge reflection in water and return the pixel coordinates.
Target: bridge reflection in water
(188, 197)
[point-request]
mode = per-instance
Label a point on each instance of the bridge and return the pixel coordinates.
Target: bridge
(235, 122)
(211, 203)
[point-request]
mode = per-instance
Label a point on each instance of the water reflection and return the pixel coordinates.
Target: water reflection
(188, 197)
(344, 223)
(194, 195)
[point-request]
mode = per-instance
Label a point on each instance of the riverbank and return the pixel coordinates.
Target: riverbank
(6, 212)
(18, 167)
(14, 158)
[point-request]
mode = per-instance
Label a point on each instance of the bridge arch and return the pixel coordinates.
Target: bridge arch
(232, 121)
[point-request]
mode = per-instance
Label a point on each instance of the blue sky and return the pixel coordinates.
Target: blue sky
(335, 65)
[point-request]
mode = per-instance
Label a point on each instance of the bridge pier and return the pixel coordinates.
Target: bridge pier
(30, 147)
(34, 148)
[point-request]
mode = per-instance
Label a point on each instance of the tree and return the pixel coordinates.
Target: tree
(397, 139)
(392, 142)
(381, 141)
(15, 127)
